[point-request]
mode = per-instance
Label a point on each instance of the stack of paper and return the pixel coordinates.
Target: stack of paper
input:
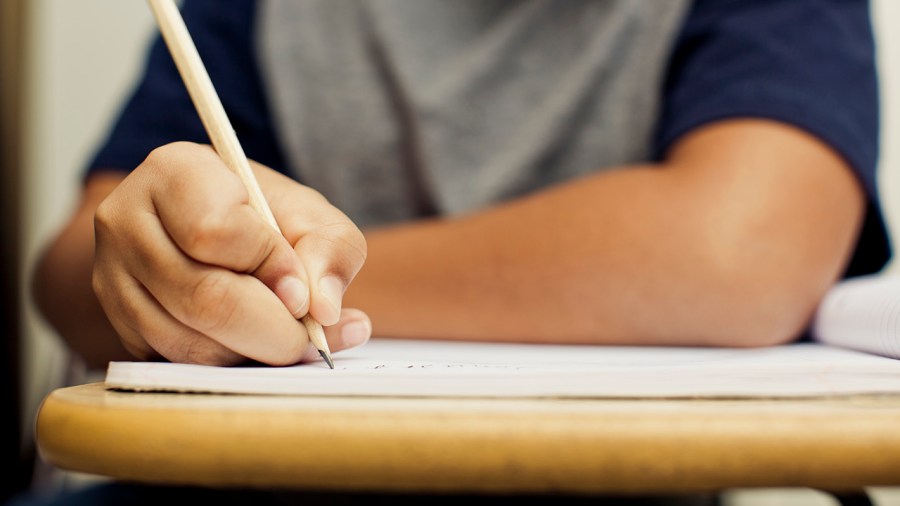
(862, 314)
(856, 331)
(387, 367)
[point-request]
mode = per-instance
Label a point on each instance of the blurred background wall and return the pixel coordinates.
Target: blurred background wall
(886, 16)
(78, 61)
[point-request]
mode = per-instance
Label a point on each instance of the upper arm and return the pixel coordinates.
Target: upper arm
(780, 212)
(809, 64)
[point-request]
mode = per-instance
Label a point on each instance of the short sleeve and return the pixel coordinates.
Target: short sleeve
(809, 63)
(160, 110)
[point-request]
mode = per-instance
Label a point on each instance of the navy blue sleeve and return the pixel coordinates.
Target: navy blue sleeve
(809, 63)
(160, 110)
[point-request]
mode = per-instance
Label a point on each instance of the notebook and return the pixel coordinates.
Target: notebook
(855, 351)
(404, 368)
(863, 314)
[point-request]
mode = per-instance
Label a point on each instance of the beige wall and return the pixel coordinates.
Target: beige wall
(887, 24)
(83, 58)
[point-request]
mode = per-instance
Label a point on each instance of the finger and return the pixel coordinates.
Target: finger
(205, 210)
(331, 248)
(331, 266)
(352, 330)
(235, 310)
(239, 313)
(149, 332)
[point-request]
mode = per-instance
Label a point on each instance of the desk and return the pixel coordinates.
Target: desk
(473, 445)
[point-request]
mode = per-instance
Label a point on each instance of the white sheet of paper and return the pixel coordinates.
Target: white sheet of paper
(386, 367)
(861, 313)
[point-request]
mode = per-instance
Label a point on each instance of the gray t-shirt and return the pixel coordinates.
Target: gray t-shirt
(396, 109)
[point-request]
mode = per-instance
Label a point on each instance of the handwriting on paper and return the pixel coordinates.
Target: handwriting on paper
(399, 366)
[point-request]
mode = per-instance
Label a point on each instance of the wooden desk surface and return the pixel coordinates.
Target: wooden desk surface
(473, 445)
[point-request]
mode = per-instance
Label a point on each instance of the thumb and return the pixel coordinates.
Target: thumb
(352, 330)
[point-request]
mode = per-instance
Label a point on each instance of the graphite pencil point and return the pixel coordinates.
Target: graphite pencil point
(327, 358)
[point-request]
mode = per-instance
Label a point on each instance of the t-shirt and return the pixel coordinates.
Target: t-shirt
(400, 109)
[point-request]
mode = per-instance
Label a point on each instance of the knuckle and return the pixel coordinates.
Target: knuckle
(138, 348)
(102, 214)
(192, 353)
(135, 329)
(358, 244)
(160, 158)
(208, 235)
(166, 162)
(164, 155)
(267, 248)
(349, 248)
(103, 218)
(310, 194)
(202, 351)
(98, 285)
(131, 313)
(214, 303)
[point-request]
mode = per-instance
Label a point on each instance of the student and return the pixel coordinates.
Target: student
(618, 172)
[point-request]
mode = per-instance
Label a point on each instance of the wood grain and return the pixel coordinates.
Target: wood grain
(473, 445)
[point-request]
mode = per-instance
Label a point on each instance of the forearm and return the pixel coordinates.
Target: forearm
(614, 259)
(669, 254)
(62, 285)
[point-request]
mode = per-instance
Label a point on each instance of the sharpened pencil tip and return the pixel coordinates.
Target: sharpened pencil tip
(327, 358)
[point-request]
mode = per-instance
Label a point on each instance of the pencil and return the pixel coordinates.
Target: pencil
(219, 128)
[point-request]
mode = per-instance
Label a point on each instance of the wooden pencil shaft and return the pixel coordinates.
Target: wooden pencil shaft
(216, 122)
(207, 102)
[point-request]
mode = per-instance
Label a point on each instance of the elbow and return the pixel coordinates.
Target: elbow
(751, 307)
(757, 324)
(39, 285)
(59, 292)
(48, 293)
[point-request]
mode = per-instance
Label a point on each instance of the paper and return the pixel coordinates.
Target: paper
(386, 367)
(862, 314)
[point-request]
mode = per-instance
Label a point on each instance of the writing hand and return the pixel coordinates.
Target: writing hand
(186, 270)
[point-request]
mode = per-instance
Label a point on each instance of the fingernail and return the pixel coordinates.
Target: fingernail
(332, 290)
(293, 292)
(355, 333)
